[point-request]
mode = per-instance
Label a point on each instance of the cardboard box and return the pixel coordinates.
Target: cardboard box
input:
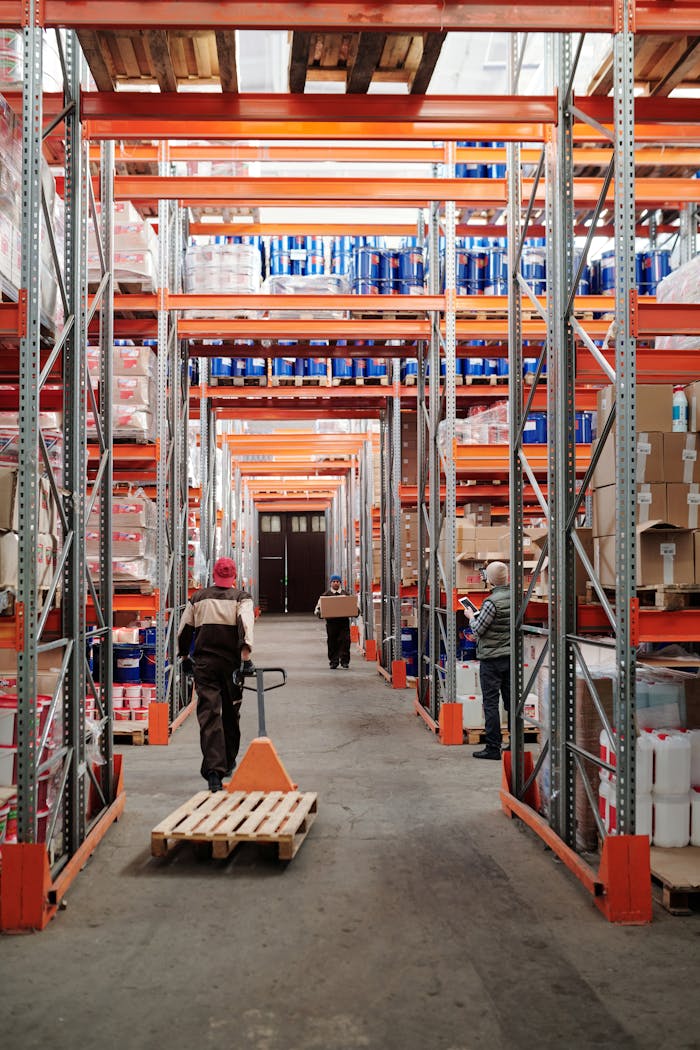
(9, 502)
(683, 506)
(696, 543)
(665, 556)
(654, 406)
(49, 669)
(649, 460)
(692, 392)
(681, 462)
(333, 607)
(468, 574)
(651, 506)
(537, 537)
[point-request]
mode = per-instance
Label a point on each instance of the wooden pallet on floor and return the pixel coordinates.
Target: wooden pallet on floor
(477, 735)
(131, 732)
(677, 873)
(224, 820)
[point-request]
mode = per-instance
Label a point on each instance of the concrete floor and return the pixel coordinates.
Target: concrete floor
(414, 916)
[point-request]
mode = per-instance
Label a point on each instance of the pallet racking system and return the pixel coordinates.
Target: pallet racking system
(558, 119)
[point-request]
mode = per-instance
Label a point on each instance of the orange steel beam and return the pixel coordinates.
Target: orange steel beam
(248, 191)
(348, 229)
(295, 467)
(416, 16)
(276, 412)
(319, 108)
(141, 153)
(480, 460)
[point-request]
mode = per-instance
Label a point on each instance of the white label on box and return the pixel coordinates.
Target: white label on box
(693, 499)
(643, 497)
(666, 549)
(644, 448)
(689, 455)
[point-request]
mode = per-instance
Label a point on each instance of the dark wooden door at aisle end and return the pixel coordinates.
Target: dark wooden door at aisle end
(292, 559)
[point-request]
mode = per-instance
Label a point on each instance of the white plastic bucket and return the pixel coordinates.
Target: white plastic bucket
(694, 735)
(671, 763)
(643, 815)
(644, 755)
(695, 816)
(671, 820)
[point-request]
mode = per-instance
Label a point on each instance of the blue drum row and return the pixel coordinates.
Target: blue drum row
(480, 171)
(297, 256)
(650, 269)
(382, 271)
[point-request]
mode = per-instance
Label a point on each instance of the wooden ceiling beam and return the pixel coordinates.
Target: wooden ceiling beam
(432, 46)
(369, 53)
(686, 67)
(228, 69)
(298, 62)
(158, 48)
(102, 74)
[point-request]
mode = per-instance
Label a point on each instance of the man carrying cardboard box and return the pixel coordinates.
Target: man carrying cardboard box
(337, 616)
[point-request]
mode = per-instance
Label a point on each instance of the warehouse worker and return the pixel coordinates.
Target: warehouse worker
(337, 627)
(220, 620)
(491, 626)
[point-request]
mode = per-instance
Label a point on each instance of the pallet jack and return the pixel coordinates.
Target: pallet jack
(259, 804)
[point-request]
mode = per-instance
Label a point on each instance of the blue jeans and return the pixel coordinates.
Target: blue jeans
(494, 674)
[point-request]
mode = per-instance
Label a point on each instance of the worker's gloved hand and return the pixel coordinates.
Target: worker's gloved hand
(247, 667)
(187, 666)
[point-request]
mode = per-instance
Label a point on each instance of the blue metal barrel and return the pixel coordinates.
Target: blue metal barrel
(341, 367)
(657, 265)
(411, 265)
(283, 367)
(478, 263)
(359, 367)
(255, 366)
(607, 273)
(496, 282)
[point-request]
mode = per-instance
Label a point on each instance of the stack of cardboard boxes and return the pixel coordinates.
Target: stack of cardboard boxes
(47, 543)
(667, 492)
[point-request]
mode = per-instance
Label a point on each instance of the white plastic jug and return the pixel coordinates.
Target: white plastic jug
(694, 735)
(643, 812)
(671, 820)
(695, 816)
(671, 763)
(607, 802)
(644, 767)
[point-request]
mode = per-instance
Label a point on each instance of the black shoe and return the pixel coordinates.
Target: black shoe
(346, 667)
(229, 771)
(333, 667)
(214, 781)
(487, 753)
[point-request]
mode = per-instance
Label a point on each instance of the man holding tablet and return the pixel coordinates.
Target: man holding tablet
(491, 627)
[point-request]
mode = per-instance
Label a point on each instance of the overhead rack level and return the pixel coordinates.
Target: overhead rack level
(436, 329)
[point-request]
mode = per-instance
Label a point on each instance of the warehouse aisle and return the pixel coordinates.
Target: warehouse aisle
(411, 918)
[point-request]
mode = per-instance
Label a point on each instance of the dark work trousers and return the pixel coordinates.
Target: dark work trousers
(494, 673)
(338, 633)
(218, 714)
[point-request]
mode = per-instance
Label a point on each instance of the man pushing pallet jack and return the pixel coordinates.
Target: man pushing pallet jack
(260, 803)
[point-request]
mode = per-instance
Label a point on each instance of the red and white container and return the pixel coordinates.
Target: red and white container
(135, 703)
(140, 714)
(4, 815)
(148, 694)
(8, 766)
(117, 695)
(122, 714)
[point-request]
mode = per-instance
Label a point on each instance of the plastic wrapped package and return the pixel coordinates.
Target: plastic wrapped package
(482, 427)
(126, 570)
(131, 511)
(126, 543)
(130, 424)
(126, 361)
(681, 286)
(319, 284)
(223, 269)
(53, 436)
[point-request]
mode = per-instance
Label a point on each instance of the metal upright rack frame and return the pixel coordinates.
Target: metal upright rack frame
(171, 484)
(84, 804)
(437, 632)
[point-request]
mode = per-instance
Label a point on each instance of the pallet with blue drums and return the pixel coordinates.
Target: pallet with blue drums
(223, 820)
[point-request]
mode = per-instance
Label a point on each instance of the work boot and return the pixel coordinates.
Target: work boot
(214, 781)
(333, 667)
(495, 756)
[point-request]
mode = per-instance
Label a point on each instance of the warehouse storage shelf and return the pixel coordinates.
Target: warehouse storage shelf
(344, 117)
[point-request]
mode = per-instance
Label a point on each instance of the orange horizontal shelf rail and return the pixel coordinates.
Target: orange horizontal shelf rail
(480, 460)
(259, 191)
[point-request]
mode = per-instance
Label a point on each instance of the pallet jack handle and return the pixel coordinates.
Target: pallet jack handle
(261, 689)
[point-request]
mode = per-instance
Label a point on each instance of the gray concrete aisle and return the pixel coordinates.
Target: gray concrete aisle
(414, 916)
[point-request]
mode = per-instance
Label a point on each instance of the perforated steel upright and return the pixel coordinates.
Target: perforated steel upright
(171, 478)
(67, 820)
